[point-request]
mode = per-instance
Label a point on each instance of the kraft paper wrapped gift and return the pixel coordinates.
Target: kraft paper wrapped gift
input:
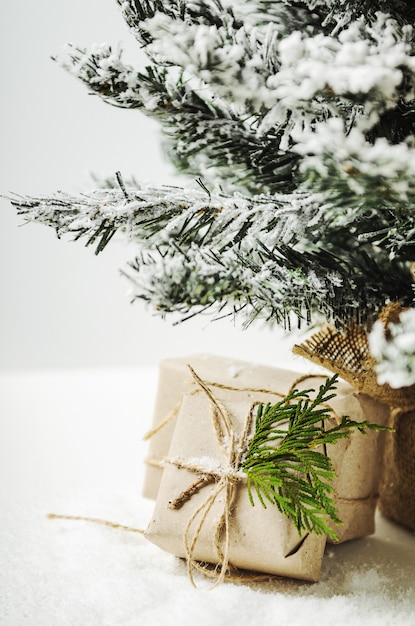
(173, 379)
(259, 539)
(357, 460)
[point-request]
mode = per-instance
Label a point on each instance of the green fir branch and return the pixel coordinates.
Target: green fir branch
(283, 464)
(266, 257)
(340, 12)
(201, 133)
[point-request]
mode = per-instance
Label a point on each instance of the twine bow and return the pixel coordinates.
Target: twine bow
(226, 478)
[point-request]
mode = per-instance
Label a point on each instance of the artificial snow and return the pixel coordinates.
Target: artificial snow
(72, 444)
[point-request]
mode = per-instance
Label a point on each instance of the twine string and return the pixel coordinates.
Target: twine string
(169, 418)
(95, 520)
(226, 478)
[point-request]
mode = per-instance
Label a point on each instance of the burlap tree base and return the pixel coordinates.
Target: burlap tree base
(397, 499)
(347, 354)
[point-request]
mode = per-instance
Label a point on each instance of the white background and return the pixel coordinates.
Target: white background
(62, 305)
(71, 440)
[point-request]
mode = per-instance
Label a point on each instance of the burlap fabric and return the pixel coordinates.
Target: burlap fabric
(346, 353)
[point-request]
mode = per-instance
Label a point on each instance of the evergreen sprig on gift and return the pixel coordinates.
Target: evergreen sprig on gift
(286, 461)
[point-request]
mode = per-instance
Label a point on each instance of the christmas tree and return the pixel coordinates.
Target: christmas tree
(294, 122)
(297, 121)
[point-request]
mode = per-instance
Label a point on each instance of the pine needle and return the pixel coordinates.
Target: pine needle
(286, 463)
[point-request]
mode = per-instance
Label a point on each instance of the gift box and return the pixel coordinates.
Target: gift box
(358, 463)
(357, 460)
(213, 525)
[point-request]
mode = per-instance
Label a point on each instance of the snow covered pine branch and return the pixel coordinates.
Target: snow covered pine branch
(299, 118)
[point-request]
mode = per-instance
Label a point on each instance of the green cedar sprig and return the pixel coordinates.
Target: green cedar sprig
(283, 464)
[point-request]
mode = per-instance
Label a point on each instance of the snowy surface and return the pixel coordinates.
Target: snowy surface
(71, 443)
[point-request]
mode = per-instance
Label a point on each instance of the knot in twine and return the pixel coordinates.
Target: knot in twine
(226, 478)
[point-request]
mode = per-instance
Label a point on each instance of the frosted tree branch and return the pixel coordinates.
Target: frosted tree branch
(302, 114)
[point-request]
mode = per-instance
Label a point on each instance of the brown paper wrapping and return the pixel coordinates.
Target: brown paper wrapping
(261, 540)
(356, 460)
